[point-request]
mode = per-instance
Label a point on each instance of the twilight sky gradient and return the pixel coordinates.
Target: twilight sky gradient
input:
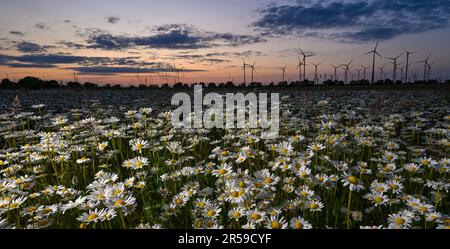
(108, 41)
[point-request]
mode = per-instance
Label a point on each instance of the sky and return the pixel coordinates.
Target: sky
(159, 41)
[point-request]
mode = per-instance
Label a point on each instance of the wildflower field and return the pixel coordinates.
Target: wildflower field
(343, 159)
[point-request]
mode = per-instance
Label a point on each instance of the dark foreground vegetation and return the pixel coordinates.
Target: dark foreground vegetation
(30, 82)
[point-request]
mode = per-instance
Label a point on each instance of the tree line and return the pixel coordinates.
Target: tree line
(30, 82)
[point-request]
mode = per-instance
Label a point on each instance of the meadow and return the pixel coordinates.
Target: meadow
(100, 159)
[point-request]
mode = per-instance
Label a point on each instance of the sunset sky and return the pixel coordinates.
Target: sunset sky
(132, 42)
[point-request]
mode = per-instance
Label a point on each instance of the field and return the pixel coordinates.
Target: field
(362, 158)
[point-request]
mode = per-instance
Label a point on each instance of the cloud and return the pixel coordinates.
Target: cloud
(215, 57)
(42, 26)
(113, 19)
(88, 65)
(29, 47)
(353, 21)
(24, 65)
(207, 58)
(120, 70)
(170, 36)
(72, 45)
(18, 33)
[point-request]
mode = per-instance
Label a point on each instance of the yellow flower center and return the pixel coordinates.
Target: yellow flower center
(236, 214)
(276, 225)
(378, 199)
(46, 210)
(211, 213)
(313, 205)
(92, 217)
(379, 189)
(119, 202)
(298, 225)
(394, 186)
(255, 216)
(268, 180)
(352, 179)
(223, 171)
(399, 221)
(31, 209)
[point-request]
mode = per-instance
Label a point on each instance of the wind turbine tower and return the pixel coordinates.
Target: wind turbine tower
(374, 52)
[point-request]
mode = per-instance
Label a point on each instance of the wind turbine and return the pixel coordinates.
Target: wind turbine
(299, 67)
(252, 66)
(394, 63)
(335, 71)
(429, 69)
(315, 71)
(359, 73)
(364, 71)
(425, 67)
(346, 69)
(374, 51)
(304, 62)
(407, 63)
(284, 71)
(382, 72)
(243, 68)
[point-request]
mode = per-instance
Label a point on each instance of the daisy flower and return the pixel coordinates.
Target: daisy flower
(139, 144)
(352, 182)
(299, 223)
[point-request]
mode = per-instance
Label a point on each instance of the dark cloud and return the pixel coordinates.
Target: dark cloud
(119, 70)
(24, 65)
(93, 65)
(171, 36)
(113, 19)
(42, 26)
(353, 21)
(214, 57)
(18, 33)
(72, 45)
(195, 58)
(29, 47)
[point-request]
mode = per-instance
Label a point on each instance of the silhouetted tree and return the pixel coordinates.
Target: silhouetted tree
(30, 83)
(6, 83)
(73, 84)
(90, 85)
